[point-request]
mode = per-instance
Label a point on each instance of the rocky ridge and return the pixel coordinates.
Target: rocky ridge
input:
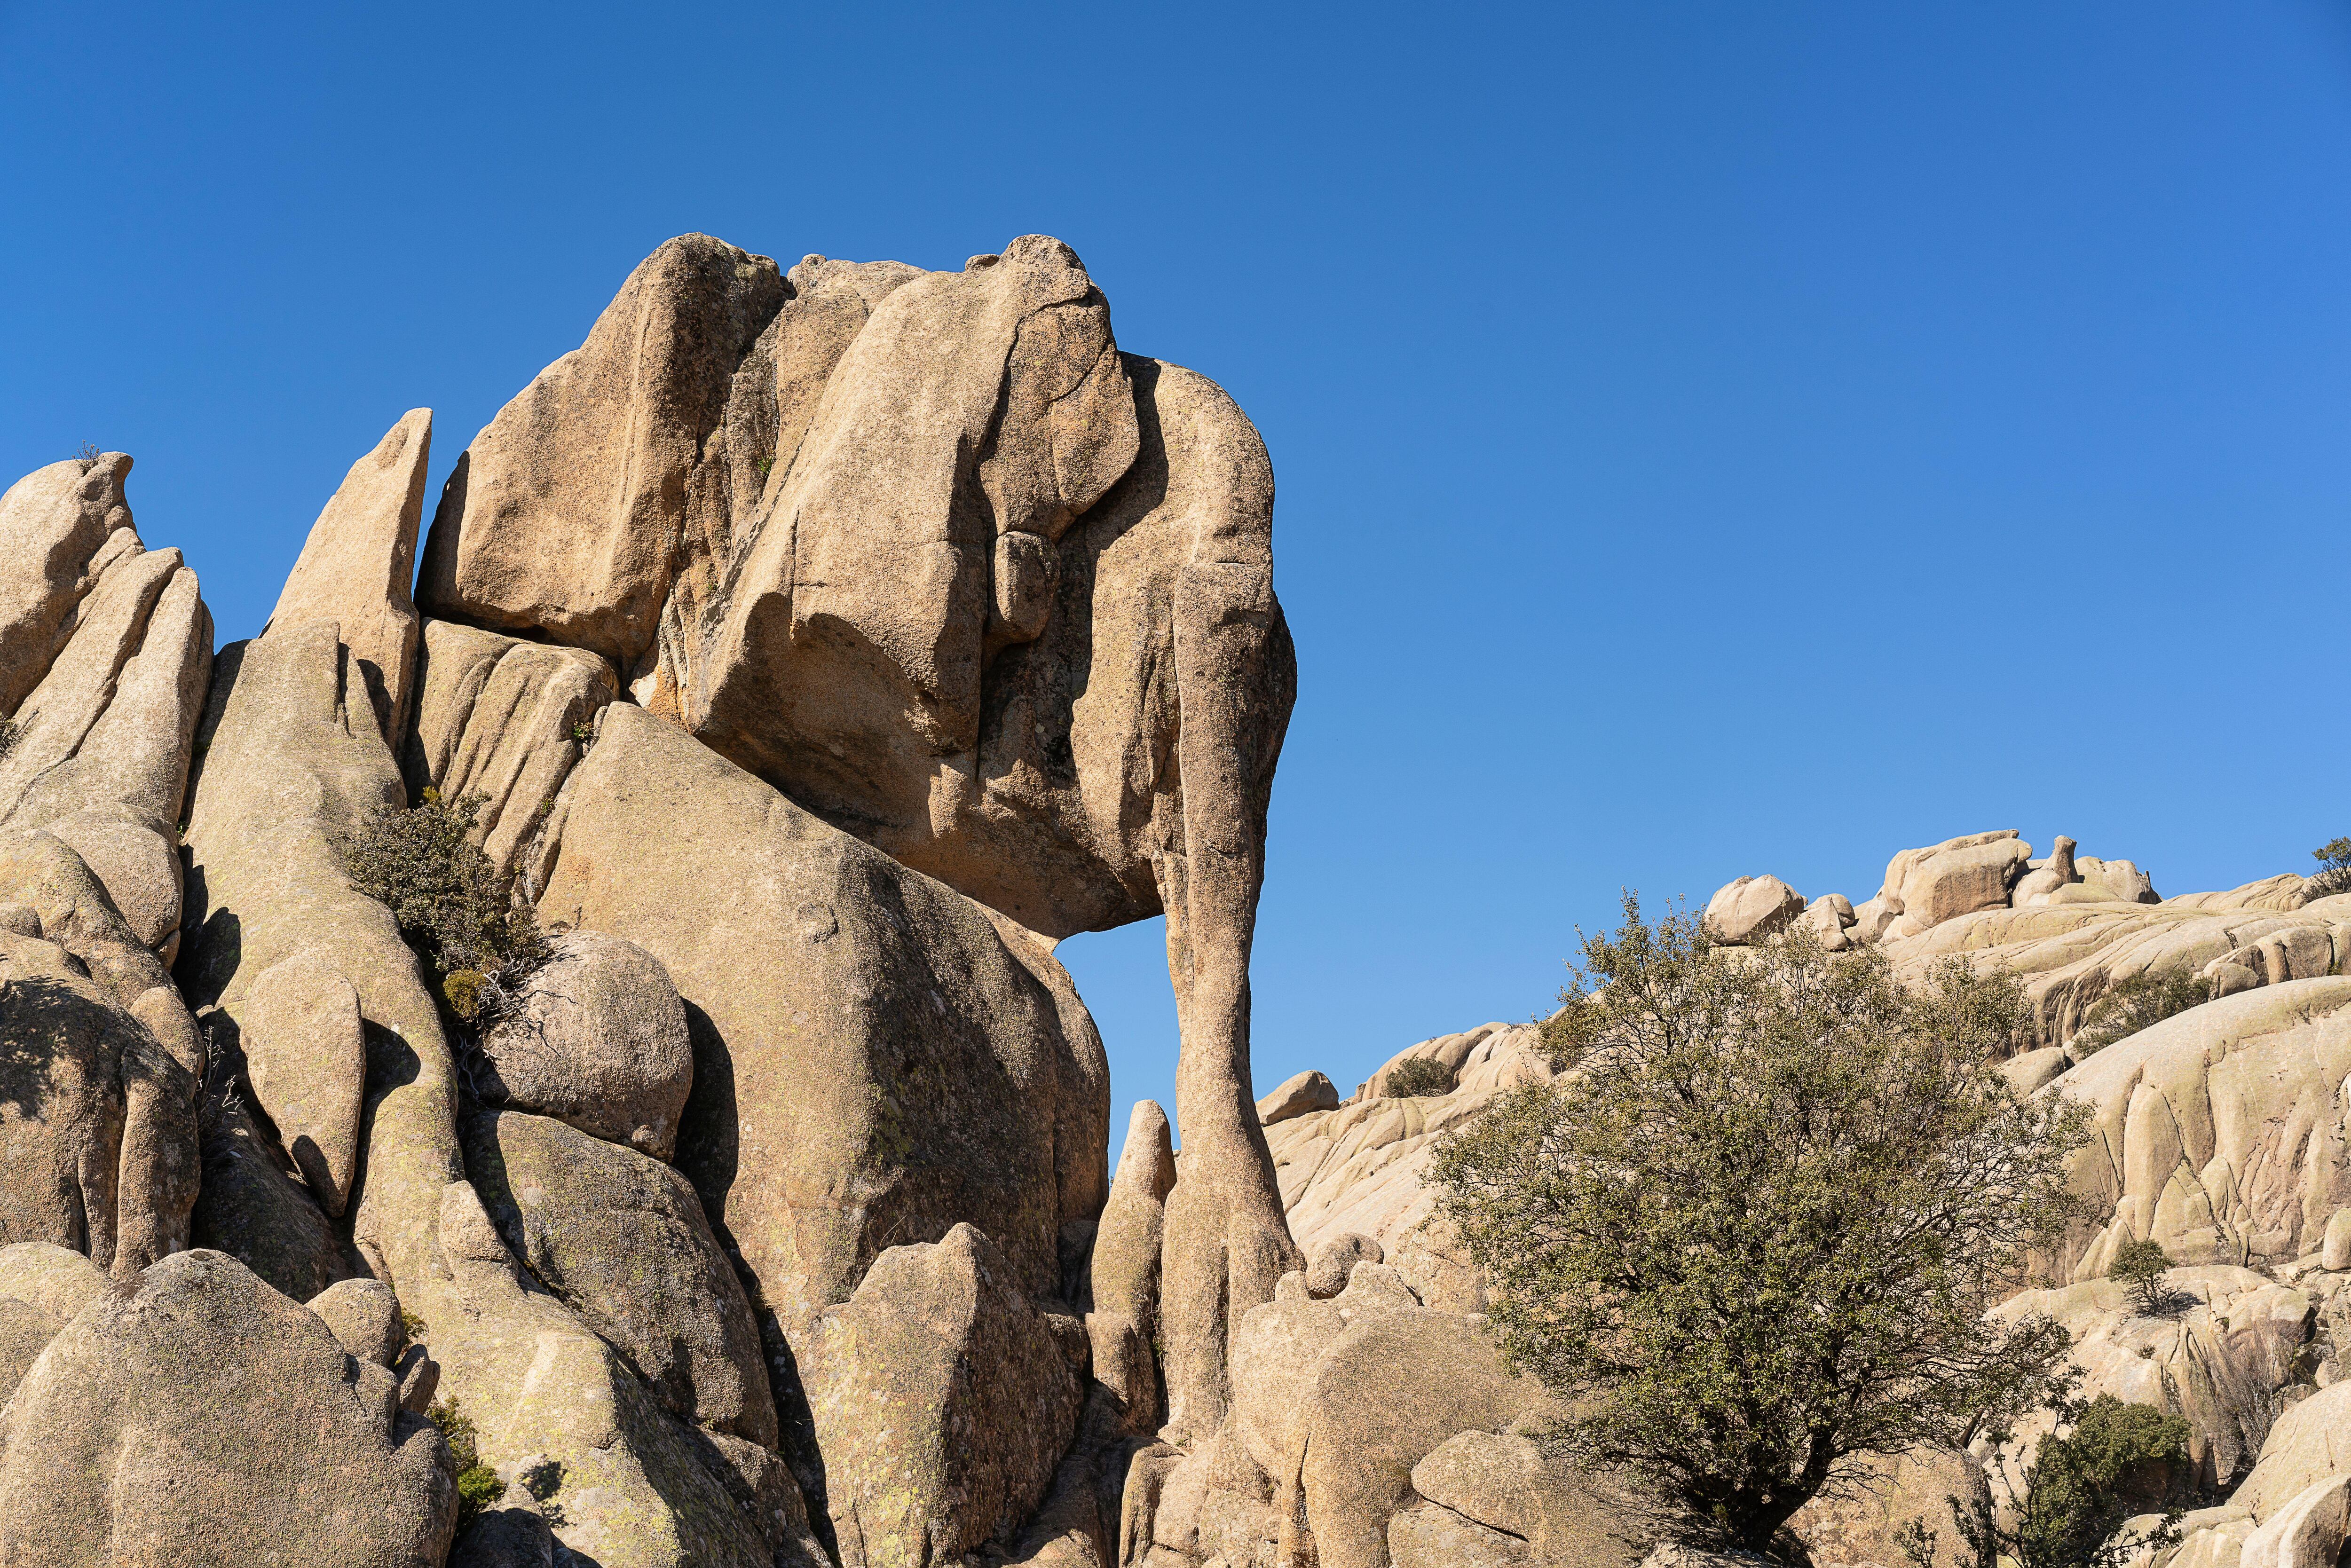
(819, 646)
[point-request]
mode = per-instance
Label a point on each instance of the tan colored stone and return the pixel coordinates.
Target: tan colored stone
(2187, 1103)
(501, 720)
(1125, 1269)
(2309, 1532)
(305, 1055)
(135, 1437)
(563, 515)
(1750, 908)
(746, 462)
(1295, 1096)
(111, 721)
(253, 1207)
(623, 1241)
(359, 560)
(289, 758)
(139, 865)
(596, 1037)
(1503, 1482)
(1384, 1395)
(98, 1120)
(1434, 1537)
(57, 1281)
(1958, 877)
(940, 1400)
(53, 523)
(364, 1317)
(1327, 1269)
(2335, 1251)
(878, 1063)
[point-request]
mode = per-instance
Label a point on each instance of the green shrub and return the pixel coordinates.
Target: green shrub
(2334, 859)
(1776, 1174)
(452, 908)
(2138, 1003)
(478, 1485)
(2081, 1490)
(1418, 1077)
(2141, 1266)
(8, 732)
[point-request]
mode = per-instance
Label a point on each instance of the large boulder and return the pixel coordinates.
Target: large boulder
(1750, 908)
(97, 1117)
(596, 1037)
(1337, 1401)
(623, 1241)
(1122, 1321)
(255, 1206)
(875, 1060)
(972, 420)
(1501, 1485)
(1957, 876)
(563, 515)
(358, 562)
(1295, 1096)
(942, 1401)
(204, 1418)
(305, 1055)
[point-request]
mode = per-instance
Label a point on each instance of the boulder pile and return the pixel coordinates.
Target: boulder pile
(809, 651)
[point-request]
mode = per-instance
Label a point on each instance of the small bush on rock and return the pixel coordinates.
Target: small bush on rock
(478, 1485)
(2137, 1003)
(423, 865)
(1755, 1236)
(2141, 1267)
(2115, 1465)
(2334, 859)
(8, 732)
(1417, 1077)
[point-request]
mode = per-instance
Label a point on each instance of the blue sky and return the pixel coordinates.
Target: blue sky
(1711, 438)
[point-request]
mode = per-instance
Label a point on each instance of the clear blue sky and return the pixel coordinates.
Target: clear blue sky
(1711, 438)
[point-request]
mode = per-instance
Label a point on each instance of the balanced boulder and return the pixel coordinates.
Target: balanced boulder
(596, 1037)
(1750, 908)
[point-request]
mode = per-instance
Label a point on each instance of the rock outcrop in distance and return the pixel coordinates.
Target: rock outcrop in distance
(812, 649)
(2221, 1134)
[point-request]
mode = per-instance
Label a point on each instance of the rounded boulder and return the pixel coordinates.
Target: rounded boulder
(595, 1037)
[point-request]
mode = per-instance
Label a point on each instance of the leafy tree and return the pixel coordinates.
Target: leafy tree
(1753, 1236)
(2141, 1266)
(423, 865)
(2075, 1499)
(2334, 859)
(2139, 1002)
